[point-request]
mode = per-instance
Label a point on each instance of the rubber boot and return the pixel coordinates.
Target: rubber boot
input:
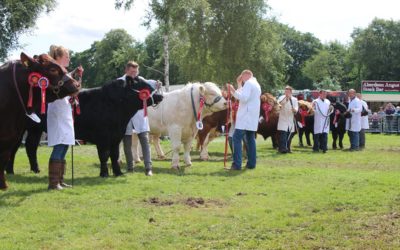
(62, 183)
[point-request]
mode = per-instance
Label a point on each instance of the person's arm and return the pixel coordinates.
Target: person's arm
(243, 94)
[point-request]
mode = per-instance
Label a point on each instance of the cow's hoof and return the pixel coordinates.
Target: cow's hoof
(204, 158)
(104, 175)
(35, 170)
(3, 186)
(176, 167)
(161, 157)
(118, 174)
(189, 164)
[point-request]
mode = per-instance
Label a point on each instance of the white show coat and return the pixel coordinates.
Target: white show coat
(60, 123)
(249, 105)
(354, 123)
(321, 116)
(364, 119)
(138, 123)
(286, 116)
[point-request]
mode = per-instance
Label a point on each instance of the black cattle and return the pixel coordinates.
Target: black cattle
(15, 81)
(337, 122)
(105, 113)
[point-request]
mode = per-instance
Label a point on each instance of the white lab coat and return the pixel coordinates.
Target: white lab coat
(138, 123)
(364, 119)
(286, 120)
(249, 105)
(321, 116)
(60, 123)
(354, 123)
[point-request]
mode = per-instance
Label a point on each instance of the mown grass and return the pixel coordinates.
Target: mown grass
(299, 201)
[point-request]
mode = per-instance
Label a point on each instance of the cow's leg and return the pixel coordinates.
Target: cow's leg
(301, 132)
(334, 138)
(156, 142)
(4, 157)
(341, 135)
(187, 147)
(104, 154)
(31, 145)
(275, 140)
(10, 162)
(114, 155)
(176, 136)
(204, 149)
(308, 133)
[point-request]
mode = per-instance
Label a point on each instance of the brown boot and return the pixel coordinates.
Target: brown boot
(62, 183)
(55, 167)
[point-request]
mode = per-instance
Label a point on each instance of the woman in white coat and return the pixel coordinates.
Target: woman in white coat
(286, 122)
(248, 94)
(60, 127)
(364, 121)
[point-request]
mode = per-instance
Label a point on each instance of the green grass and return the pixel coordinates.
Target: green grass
(299, 201)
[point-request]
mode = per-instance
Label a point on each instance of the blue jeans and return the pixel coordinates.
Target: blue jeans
(59, 152)
(354, 140)
(362, 138)
(237, 148)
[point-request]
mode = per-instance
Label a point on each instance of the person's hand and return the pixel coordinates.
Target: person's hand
(231, 88)
(294, 111)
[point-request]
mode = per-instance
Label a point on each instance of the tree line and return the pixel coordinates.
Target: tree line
(214, 40)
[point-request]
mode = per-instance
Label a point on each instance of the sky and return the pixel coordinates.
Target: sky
(76, 24)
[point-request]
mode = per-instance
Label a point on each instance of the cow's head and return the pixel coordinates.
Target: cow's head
(61, 84)
(214, 101)
(306, 106)
(127, 92)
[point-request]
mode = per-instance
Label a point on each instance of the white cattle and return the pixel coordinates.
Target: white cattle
(176, 117)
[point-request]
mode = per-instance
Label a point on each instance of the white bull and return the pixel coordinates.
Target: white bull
(175, 116)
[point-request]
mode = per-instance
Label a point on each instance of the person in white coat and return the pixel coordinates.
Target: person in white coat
(322, 108)
(364, 121)
(248, 94)
(60, 127)
(138, 124)
(286, 122)
(353, 120)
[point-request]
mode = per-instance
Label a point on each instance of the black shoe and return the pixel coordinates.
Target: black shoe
(233, 167)
(324, 151)
(130, 170)
(315, 151)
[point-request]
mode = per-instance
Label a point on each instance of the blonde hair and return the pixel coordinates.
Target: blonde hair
(247, 71)
(57, 51)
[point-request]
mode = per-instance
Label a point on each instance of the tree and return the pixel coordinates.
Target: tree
(18, 17)
(375, 51)
(301, 47)
(168, 14)
(106, 59)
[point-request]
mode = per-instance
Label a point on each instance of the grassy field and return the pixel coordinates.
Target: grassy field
(303, 200)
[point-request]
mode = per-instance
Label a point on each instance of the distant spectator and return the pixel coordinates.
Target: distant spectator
(381, 113)
(389, 112)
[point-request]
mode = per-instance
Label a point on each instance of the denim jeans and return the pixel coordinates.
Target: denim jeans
(320, 142)
(237, 148)
(285, 139)
(59, 152)
(354, 140)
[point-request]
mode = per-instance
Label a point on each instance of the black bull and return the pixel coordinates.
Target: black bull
(105, 113)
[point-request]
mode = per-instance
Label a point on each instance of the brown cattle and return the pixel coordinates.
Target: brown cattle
(19, 90)
(269, 116)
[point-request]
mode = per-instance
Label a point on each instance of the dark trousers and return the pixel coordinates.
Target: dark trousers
(285, 140)
(362, 138)
(320, 142)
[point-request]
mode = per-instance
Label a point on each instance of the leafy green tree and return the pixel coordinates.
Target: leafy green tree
(375, 51)
(301, 47)
(106, 59)
(18, 17)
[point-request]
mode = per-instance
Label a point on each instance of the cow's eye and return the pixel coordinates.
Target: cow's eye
(53, 71)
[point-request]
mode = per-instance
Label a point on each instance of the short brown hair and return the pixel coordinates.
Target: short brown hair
(289, 88)
(132, 64)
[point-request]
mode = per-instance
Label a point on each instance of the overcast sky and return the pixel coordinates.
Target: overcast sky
(76, 24)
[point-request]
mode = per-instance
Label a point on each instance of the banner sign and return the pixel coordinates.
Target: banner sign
(380, 87)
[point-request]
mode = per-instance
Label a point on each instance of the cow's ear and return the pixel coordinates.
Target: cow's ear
(28, 61)
(202, 90)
